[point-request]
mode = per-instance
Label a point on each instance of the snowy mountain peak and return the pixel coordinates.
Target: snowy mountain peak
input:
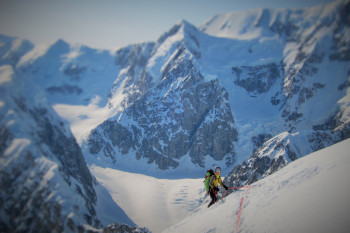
(241, 25)
(12, 49)
(44, 52)
(182, 31)
(187, 27)
(180, 27)
(267, 77)
(260, 23)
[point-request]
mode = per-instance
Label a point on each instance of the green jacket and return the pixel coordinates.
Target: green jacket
(207, 180)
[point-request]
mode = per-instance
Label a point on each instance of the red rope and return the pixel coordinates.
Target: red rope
(239, 214)
(241, 204)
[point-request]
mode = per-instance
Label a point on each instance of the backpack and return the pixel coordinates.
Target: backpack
(206, 176)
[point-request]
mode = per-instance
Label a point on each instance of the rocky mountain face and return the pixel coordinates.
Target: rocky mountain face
(226, 92)
(41, 165)
(123, 228)
(272, 154)
(170, 110)
(309, 85)
(12, 49)
(45, 184)
(170, 119)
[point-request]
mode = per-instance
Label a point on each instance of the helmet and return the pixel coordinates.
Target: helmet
(217, 169)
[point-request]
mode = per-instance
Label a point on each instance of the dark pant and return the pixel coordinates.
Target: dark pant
(212, 193)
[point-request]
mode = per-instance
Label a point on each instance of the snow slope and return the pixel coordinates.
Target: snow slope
(310, 195)
(151, 202)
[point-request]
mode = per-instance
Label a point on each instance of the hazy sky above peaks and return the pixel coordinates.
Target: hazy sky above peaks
(112, 24)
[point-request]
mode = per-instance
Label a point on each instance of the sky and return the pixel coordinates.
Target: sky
(112, 24)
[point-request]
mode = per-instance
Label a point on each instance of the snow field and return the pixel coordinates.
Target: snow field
(151, 202)
(82, 118)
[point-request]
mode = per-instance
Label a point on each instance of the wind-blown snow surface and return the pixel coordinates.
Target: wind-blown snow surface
(151, 202)
(310, 195)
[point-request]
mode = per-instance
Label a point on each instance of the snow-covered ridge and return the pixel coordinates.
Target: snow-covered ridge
(309, 195)
(276, 76)
(45, 182)
(277, 81)
(264, 23)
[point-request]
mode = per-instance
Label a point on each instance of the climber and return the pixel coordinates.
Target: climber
(213, 185)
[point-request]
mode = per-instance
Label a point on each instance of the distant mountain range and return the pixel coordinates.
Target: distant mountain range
(264, 84)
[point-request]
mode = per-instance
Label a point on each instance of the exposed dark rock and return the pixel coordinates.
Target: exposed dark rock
(122, 228)
(64, 89)
(256, 79)
(74, 71)
(201, 123)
